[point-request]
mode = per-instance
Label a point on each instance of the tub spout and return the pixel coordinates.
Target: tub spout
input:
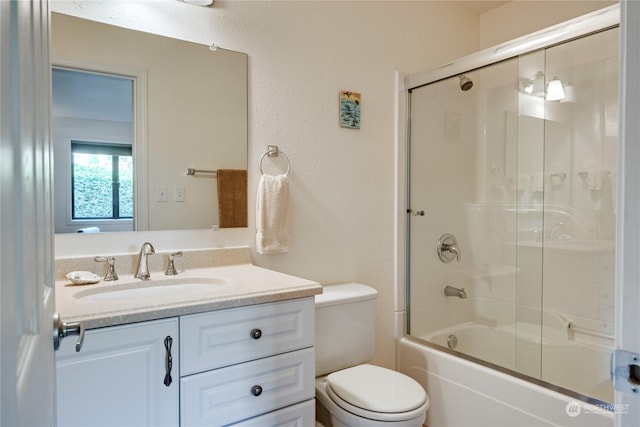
(452, 291)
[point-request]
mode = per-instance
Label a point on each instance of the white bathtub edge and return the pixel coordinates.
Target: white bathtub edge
(464, 393)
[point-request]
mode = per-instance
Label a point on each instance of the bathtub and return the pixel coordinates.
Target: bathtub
(478, 340)
(466, 393)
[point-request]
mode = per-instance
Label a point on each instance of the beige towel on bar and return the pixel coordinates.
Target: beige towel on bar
(272, 214)
(232, 197)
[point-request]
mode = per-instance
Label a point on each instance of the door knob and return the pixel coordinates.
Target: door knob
(62, 329)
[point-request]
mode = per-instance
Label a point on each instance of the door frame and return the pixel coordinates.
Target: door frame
(627, 407)
(139, 146)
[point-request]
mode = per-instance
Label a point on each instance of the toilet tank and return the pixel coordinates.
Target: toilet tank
(345, 326)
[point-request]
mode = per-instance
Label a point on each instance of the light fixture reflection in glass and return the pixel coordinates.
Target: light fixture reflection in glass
(569, 93)
(555, 91)
(535, 85)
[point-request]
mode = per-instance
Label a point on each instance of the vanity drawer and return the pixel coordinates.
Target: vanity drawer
(226, 337)
(239, 392)
(300, 415)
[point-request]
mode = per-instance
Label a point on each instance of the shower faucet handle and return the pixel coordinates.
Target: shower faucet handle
(448, 249)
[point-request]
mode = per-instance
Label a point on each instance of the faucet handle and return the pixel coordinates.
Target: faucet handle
(171, 268)
(448, 249)
(111, 267)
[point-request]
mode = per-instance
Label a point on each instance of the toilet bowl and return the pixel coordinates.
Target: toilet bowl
(368, 395)
(349, 392)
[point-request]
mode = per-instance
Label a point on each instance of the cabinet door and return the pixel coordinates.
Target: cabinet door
(118, 377)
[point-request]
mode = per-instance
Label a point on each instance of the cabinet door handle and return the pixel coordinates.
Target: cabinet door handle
(168, 341)
(256, 334)
(256, 390)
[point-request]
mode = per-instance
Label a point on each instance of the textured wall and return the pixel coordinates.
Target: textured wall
(301, 54)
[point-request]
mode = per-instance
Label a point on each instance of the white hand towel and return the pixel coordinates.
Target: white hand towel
(272, 214)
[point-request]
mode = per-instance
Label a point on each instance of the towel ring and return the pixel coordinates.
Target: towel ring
(273, 151)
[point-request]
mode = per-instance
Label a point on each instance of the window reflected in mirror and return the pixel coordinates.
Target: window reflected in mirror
(101, 181)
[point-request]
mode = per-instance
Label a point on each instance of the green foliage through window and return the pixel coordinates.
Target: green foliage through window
(102, 181)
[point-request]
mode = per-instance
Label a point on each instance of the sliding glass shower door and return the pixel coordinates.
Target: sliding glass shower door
(511, 216)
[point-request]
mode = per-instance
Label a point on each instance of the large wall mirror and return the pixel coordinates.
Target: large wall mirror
(182, 106)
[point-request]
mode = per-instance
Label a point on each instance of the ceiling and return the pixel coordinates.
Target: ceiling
(86, 95)
(481, 6)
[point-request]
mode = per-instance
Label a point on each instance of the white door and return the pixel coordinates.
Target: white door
(627, 409)
(26, 239)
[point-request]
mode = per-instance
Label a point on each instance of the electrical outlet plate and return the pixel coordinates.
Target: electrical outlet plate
(179, 193)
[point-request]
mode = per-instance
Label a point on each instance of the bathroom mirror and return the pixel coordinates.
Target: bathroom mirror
(190, 112)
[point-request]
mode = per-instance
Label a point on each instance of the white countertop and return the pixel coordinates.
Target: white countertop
(245, 284)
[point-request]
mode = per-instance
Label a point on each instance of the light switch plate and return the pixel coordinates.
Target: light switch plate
(161, 193)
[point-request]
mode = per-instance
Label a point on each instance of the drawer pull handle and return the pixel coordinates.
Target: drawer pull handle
(256, 390)
(168, 341)
(256, 334)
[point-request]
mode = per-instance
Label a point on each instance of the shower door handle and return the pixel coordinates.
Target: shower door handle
(415, 213)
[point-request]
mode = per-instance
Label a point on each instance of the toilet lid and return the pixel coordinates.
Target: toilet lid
(377, 389)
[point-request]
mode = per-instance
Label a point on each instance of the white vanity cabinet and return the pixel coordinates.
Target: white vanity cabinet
(252, 365)
(118, 377)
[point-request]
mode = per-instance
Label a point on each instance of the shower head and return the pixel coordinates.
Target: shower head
(465, 82)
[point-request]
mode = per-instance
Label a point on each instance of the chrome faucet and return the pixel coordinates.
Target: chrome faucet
(143, 262)
(452, 291)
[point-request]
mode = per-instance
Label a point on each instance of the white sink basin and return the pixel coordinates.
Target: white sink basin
(184, 288)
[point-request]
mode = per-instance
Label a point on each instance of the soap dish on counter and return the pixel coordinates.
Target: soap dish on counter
(83, 277)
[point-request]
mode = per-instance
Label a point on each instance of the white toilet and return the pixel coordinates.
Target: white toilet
(356, 394)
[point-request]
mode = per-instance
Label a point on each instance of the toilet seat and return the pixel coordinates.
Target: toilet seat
(377, 393)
